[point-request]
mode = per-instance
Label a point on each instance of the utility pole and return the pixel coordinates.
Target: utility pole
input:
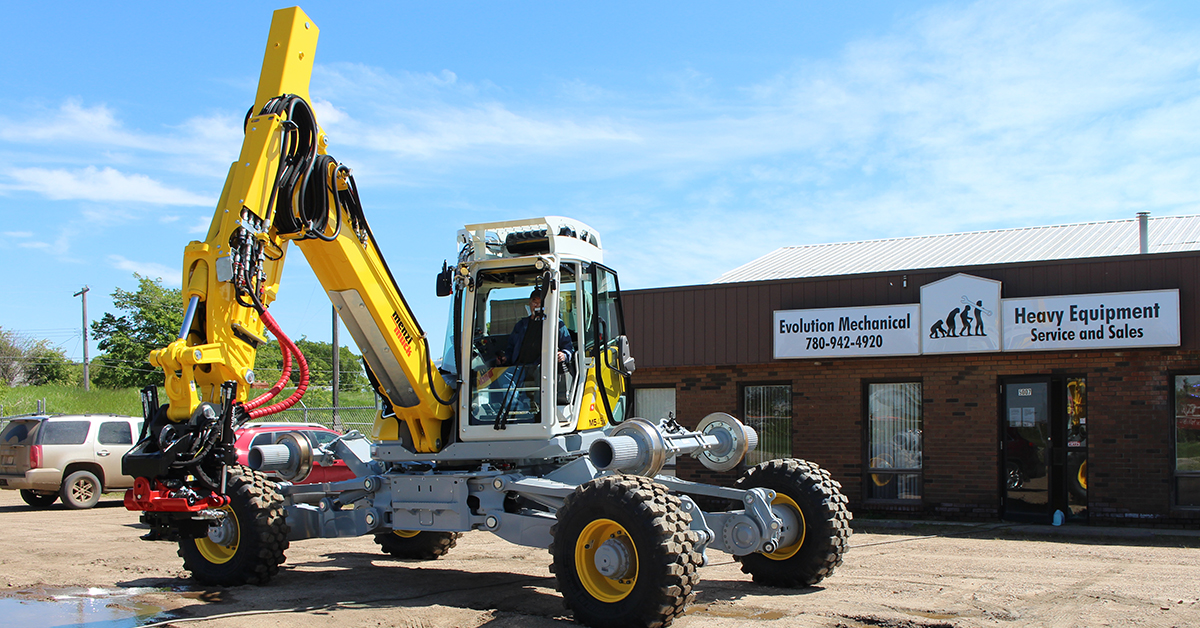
(337, 372)
(87, 382)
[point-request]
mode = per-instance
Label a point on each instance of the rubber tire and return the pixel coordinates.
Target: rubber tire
(80, 490)
(38, 500)
(826, 518)
(262, 534)
(423, 546)
(664, 544)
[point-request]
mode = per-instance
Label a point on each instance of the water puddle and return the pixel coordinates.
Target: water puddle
(86, 607)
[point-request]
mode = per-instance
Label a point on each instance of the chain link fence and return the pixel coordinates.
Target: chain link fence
(342, 419)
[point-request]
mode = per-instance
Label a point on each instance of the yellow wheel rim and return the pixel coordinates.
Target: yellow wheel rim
(785, 553)
(597, 584)
(220, 554)
(1082, 475)
(406, 534)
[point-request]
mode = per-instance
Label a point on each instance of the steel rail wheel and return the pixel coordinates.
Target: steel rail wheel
(248, 544)
(624, 553)
(823, 515)
(417, 545)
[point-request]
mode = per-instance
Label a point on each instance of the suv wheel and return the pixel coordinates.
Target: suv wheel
(81, 489)
(38, 499)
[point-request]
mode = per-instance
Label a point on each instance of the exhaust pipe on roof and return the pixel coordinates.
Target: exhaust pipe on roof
(1143, 232)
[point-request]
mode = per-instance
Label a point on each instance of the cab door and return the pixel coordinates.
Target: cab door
(605, 398)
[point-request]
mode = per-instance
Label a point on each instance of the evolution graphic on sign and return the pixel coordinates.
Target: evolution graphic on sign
(959, 315)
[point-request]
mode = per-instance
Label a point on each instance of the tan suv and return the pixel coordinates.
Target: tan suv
(75, 457)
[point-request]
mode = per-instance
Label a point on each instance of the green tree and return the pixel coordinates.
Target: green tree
(151, 321)
(12, 358)
(45, 365)
(269, 362)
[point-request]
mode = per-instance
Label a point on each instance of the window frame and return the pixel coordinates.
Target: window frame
(893, 472)
(1174, 458)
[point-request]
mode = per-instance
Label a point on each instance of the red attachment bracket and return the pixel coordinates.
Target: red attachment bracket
(157, 498)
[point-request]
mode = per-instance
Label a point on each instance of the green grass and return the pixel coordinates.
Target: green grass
(61, 399)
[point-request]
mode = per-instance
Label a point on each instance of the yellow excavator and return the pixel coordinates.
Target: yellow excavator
(523, 427)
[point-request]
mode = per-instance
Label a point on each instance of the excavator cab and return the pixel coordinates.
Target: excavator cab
(542, 332)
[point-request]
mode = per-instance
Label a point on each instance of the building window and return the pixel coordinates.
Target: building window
(1187, 441)
(894, 441)
(768, 409)
(655, 404)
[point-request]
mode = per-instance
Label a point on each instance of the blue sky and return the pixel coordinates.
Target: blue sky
(694, 136)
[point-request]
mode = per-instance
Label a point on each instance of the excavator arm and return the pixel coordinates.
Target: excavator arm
(285, 188)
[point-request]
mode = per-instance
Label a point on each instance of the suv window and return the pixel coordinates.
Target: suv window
(266, 438)
(64, 432)
(115, 433)
(19, 433)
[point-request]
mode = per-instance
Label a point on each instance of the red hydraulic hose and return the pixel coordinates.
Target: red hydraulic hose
(283, 380)
(269, 321)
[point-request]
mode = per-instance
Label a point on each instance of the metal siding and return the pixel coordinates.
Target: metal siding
(1008, 246)
(694, 326)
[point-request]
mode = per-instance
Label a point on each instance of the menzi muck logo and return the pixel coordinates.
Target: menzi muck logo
(402, 334)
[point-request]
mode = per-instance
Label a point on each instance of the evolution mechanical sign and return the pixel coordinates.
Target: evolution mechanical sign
(965, 314)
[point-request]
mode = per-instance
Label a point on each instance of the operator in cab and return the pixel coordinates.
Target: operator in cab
(516, 340)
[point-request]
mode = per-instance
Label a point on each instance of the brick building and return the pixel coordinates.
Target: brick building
(1007, 374)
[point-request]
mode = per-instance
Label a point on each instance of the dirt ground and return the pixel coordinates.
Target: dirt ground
(943, 577)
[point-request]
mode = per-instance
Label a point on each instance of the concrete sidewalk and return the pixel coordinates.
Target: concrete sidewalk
(1063, 532)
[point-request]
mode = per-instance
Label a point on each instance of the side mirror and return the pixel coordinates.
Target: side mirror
(628, 365)
(445, 281)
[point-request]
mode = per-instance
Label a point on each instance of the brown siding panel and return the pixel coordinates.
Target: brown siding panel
(731, 323)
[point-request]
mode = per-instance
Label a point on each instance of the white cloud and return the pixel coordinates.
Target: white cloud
(200, 224)
(33, 245)
(170, 276)
(18, 234)
(99, 184)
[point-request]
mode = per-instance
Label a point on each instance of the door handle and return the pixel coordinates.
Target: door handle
(102, 453)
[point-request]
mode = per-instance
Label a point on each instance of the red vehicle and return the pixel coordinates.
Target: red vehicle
(255, 434)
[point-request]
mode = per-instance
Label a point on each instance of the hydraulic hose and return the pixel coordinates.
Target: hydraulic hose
(302, 363)
(284, 377)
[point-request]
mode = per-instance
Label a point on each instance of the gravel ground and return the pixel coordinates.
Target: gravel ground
(901, 577)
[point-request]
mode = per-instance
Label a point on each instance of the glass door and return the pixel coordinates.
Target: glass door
(1026, 429)
(1044, 427)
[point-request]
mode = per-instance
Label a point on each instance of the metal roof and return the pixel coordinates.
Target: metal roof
(1091, 239)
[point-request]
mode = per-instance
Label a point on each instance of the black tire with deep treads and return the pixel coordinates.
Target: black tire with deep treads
(37, 499)
(667, 563)
(826, 519)
(262, 534)
(423, 546)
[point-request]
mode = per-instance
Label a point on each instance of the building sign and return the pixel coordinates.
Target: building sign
(848, 332)
(1092, 321)
(960, 314)
(964, 314)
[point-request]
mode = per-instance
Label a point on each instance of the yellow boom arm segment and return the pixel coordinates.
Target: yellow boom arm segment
(282, 169)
